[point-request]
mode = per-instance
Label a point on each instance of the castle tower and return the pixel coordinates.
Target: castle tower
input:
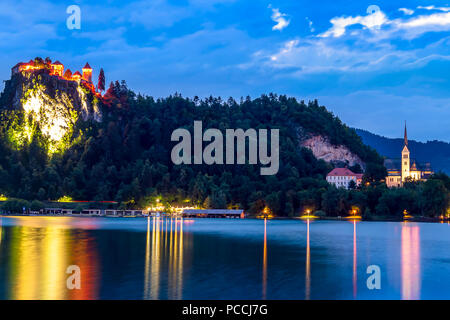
(87, 73)
(57, 69)
(405, 158)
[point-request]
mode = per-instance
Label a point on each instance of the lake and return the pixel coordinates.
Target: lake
(163, 258)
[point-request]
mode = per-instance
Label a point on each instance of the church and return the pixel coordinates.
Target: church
(405, 168)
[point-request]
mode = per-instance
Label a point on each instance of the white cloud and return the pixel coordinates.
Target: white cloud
(358, 51)
(407, 28)
(417, 26)
(280, 19)
(406, 11)
(437, 19)
(445, 9)
(340, 24)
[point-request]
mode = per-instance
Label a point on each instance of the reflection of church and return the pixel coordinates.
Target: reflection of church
(401, 169)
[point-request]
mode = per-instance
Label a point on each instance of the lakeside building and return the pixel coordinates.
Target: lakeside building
(405, 168)
(341, 177)
(213, 213)
(91, 212)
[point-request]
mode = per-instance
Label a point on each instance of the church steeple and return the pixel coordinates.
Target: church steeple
(405, 159)
(406, 136)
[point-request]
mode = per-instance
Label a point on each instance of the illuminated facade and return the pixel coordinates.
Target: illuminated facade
(87, 73)
(400, 170)
(56, 69)
(341, 177)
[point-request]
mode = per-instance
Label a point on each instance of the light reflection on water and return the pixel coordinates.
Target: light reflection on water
(410, 262)
(264, 273)
(40, 256)
(355, 274)
(308, 265)
(163, 258)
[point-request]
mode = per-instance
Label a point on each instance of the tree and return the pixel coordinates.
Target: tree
(436, 197)
(352, 184)
(374, 172)
(101, 81)
(356, 168)
(36, 205)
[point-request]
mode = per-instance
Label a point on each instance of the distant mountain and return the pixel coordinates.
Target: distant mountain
(436, 152)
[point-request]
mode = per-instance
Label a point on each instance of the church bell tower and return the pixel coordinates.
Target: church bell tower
(405, 158)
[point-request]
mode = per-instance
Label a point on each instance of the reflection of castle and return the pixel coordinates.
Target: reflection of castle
(399, 170)
(56, 69)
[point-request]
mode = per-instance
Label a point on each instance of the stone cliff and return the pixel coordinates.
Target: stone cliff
(49, 104)
(337, 155)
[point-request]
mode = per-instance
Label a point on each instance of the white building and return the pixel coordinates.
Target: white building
(341, 177)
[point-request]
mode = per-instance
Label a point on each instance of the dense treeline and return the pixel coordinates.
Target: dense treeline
(126, 158)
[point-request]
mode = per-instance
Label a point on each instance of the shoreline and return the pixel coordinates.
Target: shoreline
(372, 219)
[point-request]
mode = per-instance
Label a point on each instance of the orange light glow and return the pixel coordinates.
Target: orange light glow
(308, 266)
(264, 289)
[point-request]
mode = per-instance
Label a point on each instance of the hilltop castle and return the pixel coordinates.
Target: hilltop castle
(401, 170)
(56, 69)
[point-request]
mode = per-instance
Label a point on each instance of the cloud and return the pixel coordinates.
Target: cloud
(382, 27)
(367, 51)
(437, 19)
(280, 19)
(419, 25)
(445, 9)
(310, 24)
(406, 11)
(340, 24)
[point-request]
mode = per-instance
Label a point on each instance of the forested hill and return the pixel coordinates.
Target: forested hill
(436, 152)
(122, 153)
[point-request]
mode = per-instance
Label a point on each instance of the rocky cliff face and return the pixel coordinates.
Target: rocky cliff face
(50, 105)
(337, 155)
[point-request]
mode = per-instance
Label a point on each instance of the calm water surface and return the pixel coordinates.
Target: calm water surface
(158, 258)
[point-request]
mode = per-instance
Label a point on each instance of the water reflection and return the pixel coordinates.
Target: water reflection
(355, 276)
(264, 277)
(147, 263)
(164, 233)
(154, 258)
(308, 265)
(410, 262)
(40, 258)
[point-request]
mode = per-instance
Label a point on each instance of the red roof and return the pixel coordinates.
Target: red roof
(57, 63)
(77, 74)
(87, 66)
(343, 172)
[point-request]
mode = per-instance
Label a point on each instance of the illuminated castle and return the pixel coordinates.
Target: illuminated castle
(401, 170)
(56, 69)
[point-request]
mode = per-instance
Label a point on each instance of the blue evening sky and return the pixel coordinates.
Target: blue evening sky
(372, 63)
